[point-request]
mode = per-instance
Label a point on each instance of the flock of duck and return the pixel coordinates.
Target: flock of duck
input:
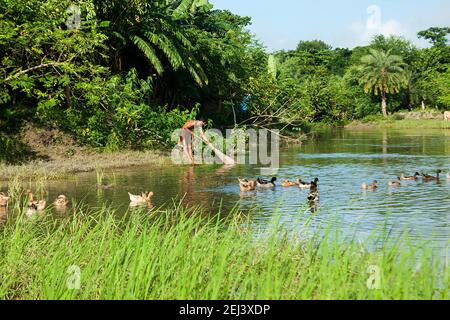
(398, 182)
(34, 205)
(246, 185)
(61, 202)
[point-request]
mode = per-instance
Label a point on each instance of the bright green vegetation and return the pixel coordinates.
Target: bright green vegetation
(132, 72)
(182, 254)
(391, 122)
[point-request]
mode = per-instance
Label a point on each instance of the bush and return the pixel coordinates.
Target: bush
(124, 121)
(397, 116)
(373, 118)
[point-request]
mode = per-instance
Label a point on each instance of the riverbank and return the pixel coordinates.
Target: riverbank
(49, 154)
(180, 254)
(400, 124)
(85, 161)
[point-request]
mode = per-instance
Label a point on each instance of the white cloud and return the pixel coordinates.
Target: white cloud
(362, 33)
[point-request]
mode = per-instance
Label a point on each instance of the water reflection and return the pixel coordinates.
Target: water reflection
(61, 211)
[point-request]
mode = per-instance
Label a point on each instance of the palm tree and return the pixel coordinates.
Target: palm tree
(383, 73)
(157, 29)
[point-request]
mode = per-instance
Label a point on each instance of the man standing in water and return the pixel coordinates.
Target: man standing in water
(187, 135)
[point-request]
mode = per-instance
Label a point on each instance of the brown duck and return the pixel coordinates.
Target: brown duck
(247, 185)
(427, 177)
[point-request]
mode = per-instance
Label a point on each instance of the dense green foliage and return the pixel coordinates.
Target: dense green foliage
(129, 75)
(130, 72)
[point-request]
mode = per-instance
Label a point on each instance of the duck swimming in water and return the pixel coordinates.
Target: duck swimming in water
(61, 201)
(39, 205)
(34, 205)
(304, 185)
(261, 183)
(410, 178)
(287, 183)
(144, 198)
(313, 197)
(247, 185)
(371, 186)
(427, 177)
(395, 183)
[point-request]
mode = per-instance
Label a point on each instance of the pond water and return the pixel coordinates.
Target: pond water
(342, 159)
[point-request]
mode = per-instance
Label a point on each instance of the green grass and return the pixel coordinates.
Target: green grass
(181, 254)
(62, 168)
(418, 124)
(392, 123)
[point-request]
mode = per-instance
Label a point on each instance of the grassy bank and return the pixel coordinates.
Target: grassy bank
(83, 162)
(180, 254)
(400, 124)
(49, 154)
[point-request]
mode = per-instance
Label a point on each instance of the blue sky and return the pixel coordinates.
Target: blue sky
(345, 23)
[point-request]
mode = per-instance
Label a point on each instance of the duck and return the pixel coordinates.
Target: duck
(427, 177)
(410, 178)
(395, 183)
(371, 186)
(313, 197)
(448, 176)
(35, 206)
(247, 185)
(288, 184)
(304, 185)
(61, 201)
(265, 183)
(145, 197)
(38, 205)
(3, 200)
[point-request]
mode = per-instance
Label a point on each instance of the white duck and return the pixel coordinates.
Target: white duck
(144, 198)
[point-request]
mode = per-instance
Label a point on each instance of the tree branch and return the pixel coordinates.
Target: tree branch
(43, 65)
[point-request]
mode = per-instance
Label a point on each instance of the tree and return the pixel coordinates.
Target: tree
(42, 61)
(396, 45)
(383, 73)
(156, 28)
(313, 46)
(426, 67)
(232, 59)
(437, 36)
(443, 83)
